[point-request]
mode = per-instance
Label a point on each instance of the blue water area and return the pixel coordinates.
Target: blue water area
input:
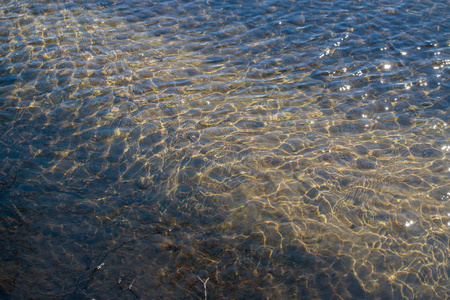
(224, 149)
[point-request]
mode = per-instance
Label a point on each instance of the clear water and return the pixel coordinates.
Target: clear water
(224, 149)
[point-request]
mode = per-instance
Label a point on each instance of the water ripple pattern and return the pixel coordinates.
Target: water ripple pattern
(224, 149)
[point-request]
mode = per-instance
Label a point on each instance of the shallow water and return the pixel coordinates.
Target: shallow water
(276, 149)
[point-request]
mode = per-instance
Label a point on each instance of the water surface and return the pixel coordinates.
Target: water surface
(278, 149)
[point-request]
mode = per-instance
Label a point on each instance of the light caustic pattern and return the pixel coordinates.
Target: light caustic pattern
(199, 149)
